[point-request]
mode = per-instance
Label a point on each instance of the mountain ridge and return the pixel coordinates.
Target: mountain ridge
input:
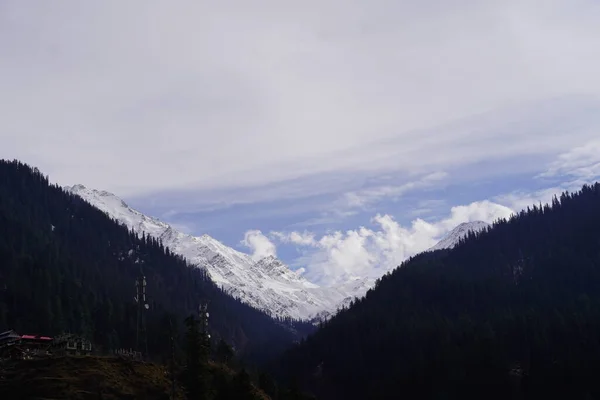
(65, 266)
(511, 312)
(452, 238)
(267, 284)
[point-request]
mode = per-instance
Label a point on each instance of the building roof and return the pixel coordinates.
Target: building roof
(35, 337)
(9, 335)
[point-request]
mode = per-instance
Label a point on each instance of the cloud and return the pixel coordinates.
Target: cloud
(569, 171)
(425, 207)
(299, 238)
(582, 163)
(365, 197)
(519, 200)
(157, 103)
(338, 257)
(350, 203)
(187, 228)
(259, 245)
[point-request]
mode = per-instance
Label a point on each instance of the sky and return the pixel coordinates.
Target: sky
(341, 136)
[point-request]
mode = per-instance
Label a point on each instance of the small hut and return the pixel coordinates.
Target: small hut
(72, 345)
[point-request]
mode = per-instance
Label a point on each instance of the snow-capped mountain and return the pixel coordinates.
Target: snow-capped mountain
(267, 284)
(454, 236)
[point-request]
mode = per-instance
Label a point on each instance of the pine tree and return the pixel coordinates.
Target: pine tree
(197, 379)
(224, 352)
(242, 386)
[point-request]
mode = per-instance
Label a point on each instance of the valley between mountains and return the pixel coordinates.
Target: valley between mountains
(266, 284)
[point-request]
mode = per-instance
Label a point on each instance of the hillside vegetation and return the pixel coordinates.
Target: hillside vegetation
(67, 267)
(512, 312)
(83, 378)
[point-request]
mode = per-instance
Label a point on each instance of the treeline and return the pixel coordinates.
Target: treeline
(67, 267)
(216, 374)
(511, 312)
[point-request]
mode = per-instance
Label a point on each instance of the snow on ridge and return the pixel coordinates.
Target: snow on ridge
(461, 231)
(267, 284)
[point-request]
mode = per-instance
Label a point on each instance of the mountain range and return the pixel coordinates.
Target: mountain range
(267, 284)
(510, 311)
(65, 266)
(455, 235)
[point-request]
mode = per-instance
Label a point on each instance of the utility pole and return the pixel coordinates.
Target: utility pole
(205, 336)
(140, 299)
(203, 314)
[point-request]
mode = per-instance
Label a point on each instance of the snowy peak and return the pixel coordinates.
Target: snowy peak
(452, 238)
(116, 208)
(267, 284)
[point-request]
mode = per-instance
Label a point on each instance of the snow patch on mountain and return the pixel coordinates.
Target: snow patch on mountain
(454, 236)
(267, 284)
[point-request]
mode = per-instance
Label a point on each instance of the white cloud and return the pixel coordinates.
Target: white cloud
(259, 245)
(336, 257)
(299, 238)
(140, 96)
(184, 227)
(520, 200)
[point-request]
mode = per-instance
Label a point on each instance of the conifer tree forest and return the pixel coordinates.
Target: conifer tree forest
(67, 267)
(512, 312)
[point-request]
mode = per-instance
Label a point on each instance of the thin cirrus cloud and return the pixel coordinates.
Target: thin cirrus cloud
(365, 197)
(190, 107)
(571, 169)
(582, 162)
(211, 96)
(336, 257)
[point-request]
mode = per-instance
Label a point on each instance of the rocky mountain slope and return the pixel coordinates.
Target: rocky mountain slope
(267, 284)
(454, 236)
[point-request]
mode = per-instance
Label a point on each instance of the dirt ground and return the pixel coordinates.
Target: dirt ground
(85, 378)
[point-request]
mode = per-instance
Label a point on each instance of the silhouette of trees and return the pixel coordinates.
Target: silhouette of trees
(511, 311)
(66, 266)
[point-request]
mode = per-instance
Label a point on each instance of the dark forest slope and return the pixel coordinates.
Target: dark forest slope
(108, 378)
(65, 266)
(86, 378)
(513, 312)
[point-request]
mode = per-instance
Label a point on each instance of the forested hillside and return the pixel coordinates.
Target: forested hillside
(65, 266)
(512, 312)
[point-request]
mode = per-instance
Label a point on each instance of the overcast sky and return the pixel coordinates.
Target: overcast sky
(307, 117)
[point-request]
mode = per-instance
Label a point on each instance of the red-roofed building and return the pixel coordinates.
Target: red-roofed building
(13, 345)
(35, 345)
(36, 338)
